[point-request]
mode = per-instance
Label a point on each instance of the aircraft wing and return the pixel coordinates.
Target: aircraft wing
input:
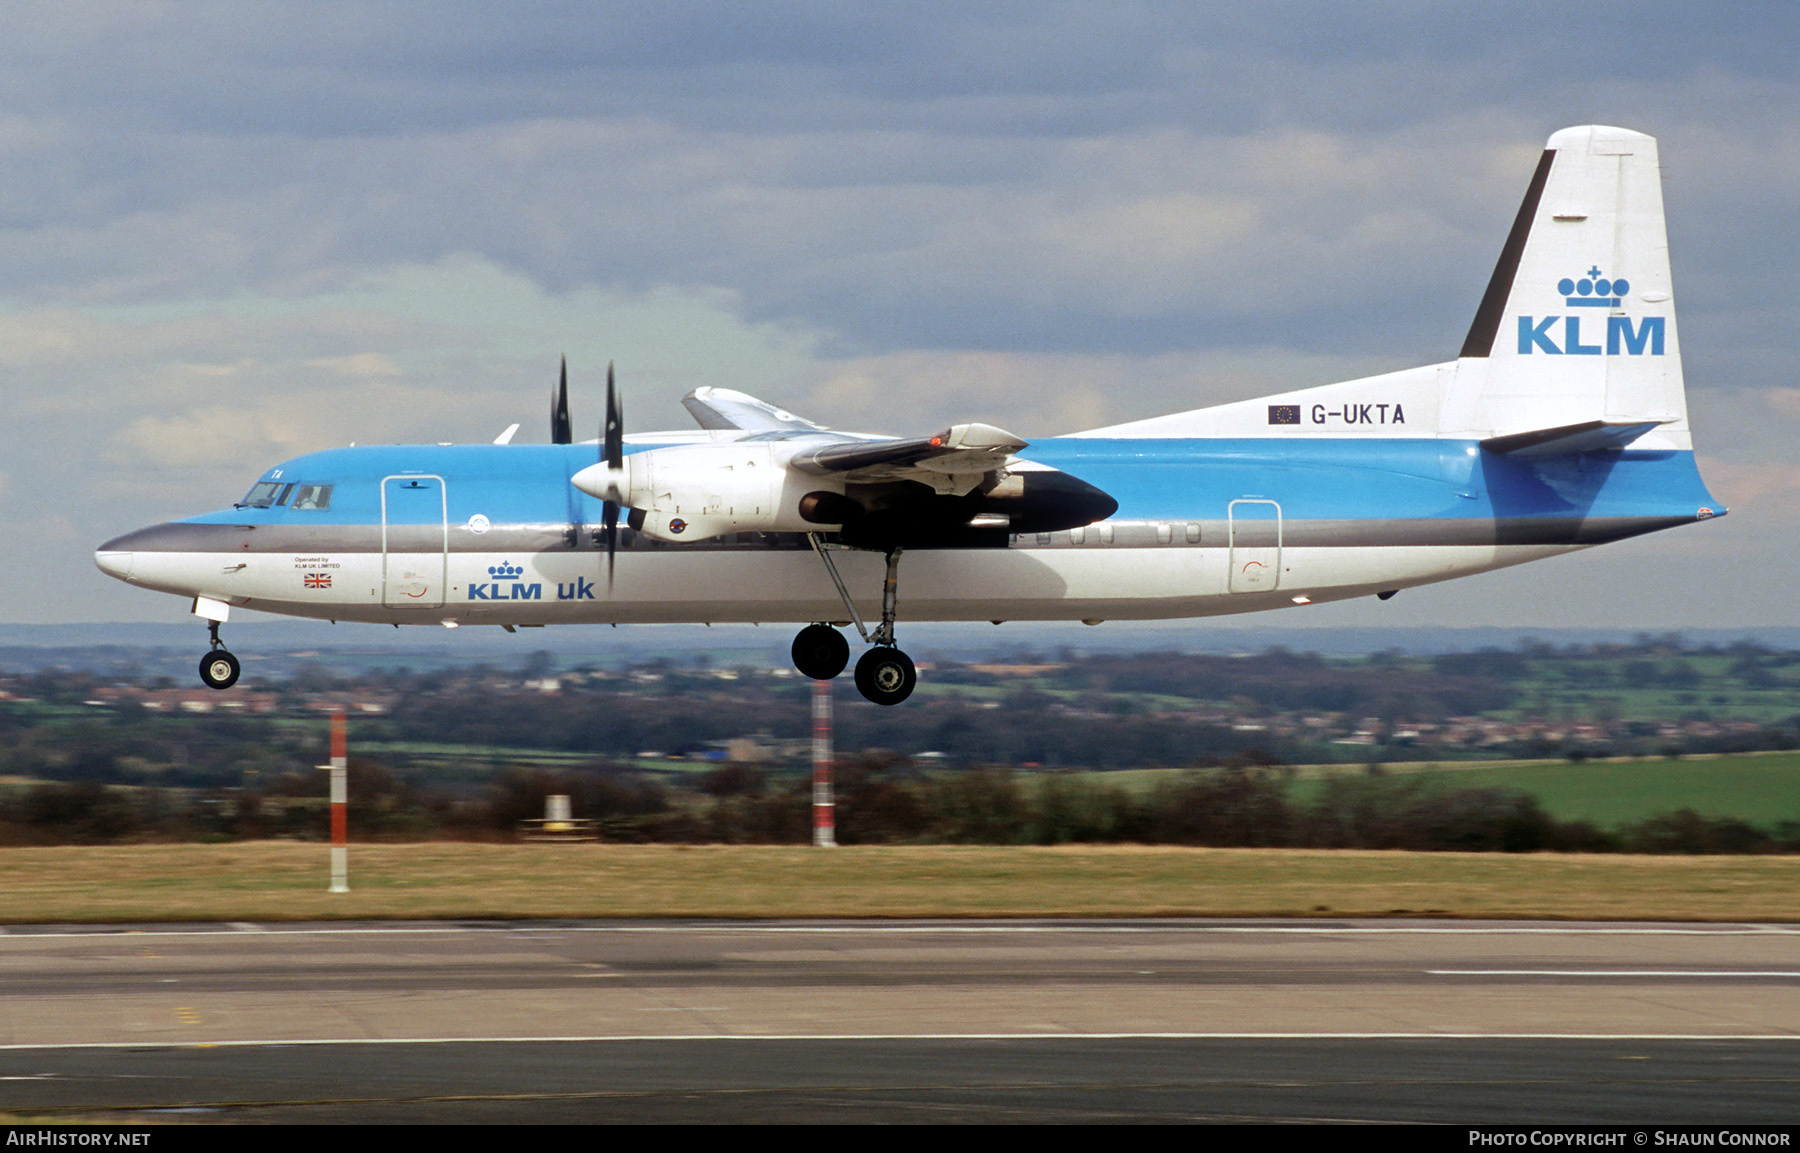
(782, 474)
(962, 450)
(955, 460)
(721, 409)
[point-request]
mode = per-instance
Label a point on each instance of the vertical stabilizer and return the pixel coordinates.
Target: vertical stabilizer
(1578, 322)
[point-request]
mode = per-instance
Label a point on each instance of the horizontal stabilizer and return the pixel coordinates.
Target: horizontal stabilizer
(1588, 436)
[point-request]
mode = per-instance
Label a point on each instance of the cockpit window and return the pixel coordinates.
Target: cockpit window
(317, 496)
(273, 493)
(262, 494)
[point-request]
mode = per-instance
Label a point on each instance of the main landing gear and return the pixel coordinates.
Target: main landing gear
(820, 652)
(218, 668)
(884, 675)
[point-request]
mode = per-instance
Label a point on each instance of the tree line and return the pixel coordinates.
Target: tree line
(882, 799)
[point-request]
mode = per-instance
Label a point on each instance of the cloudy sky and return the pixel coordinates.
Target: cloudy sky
(234, 232)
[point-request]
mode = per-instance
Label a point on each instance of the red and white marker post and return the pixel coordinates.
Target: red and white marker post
(340, 803)
(824, 806)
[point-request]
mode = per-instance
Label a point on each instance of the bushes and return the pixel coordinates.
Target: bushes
(1686, 831)
(1409, 813)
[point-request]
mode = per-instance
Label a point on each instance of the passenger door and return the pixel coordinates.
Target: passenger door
(415, 541)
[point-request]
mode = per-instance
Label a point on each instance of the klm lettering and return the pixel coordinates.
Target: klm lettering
(579, 590)
(504, 592)
(1621, 337)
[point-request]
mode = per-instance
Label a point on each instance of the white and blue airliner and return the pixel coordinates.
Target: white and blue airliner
(1561, 424)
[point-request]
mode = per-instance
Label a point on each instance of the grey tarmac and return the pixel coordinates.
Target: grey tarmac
(1066, 1020)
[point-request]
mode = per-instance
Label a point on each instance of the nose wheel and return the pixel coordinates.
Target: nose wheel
(218, 668)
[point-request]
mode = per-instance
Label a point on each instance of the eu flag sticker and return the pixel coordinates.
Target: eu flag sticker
(1284, 414)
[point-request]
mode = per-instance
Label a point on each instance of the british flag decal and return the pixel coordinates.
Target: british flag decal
(318, 580)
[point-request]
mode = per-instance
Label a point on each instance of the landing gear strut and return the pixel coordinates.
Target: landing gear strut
(884, 675)
(218, 668)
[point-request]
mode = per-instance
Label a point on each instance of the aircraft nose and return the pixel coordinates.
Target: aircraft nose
(118, 556)
(114, 562)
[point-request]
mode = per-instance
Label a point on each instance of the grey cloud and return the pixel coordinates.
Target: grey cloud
(1109, 203)
(311, 69)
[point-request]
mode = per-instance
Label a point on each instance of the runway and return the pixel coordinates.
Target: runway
(1000, 1021)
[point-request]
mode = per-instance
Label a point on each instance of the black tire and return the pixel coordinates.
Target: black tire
(885, 675)
(820, 652)
(219, 669)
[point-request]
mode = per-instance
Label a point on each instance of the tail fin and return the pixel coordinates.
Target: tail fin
(1573, 348)
(1577, 326)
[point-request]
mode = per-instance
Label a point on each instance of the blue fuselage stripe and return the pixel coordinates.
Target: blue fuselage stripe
(1152, 479)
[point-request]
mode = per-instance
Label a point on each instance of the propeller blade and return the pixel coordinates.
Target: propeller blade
(612, 437)
(610, 513)
(612, 455)
(560, 430)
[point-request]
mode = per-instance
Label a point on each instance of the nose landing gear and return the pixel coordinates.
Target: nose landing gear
(218, 668)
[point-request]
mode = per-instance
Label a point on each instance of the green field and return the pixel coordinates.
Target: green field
(1760, 788)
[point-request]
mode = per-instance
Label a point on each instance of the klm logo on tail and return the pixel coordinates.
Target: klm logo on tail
(1593, 290)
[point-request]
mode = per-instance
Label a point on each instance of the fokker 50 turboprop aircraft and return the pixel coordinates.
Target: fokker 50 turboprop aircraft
(1561, 424)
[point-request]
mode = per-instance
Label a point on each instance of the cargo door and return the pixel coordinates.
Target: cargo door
(1255, 546)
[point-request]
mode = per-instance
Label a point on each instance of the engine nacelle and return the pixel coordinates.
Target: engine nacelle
(693, 492)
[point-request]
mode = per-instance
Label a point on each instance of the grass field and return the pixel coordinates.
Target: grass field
(278, 881)
(1761, 788)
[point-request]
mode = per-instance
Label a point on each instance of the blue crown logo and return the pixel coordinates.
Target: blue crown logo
(505, 570)
(1593, 290)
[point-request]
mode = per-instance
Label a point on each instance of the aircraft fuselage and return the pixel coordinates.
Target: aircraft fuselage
(495, 534)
